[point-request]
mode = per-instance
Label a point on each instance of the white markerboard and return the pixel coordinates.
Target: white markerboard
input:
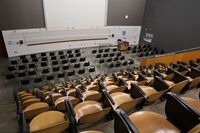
(75, 13)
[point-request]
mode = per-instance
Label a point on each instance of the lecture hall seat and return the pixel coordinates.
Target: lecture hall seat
(122, 100)
(178, 82)
(154, 92)
(151, 122)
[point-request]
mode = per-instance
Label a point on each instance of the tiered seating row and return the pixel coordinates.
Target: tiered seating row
(93, 99)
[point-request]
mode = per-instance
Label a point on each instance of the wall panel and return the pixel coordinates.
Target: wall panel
(21, 14)
(175, 24)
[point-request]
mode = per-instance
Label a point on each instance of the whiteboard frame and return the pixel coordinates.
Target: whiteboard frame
(84, 27)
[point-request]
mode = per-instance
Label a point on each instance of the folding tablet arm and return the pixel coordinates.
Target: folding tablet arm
(102, 86)
(107, 99)
(52, 102)
(181, 113)
(141, 78)
(194, 72)
(115, 77)
(122, 124)
(156, 73)
(174, 66)
(122, 82)
(71, 116)
(137, 92)
(194, 64)
(83, 86)
(183, 68)
(160, 84)
(136, 89)
(78, 92)
(63, 92)
(170, 71)
(178, 77)
(131, 75)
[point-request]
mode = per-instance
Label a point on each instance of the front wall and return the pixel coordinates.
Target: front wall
(14, 49)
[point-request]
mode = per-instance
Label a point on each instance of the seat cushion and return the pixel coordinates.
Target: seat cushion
(87, 107)
(109, 78)
(95, 82)
(60, 105)
(164, 75)
(192, 102)
(115, 88)
(150, 122)
(21, 92)
(29, 102)
(178, 87)
(195, 129)
(93, 87)
(109, 83)
(49, 122)
(123, 101)
(58, 85)
(55, 97)
(71, 92)
(148, 91)
(34, 109)
(149, 79)
(45, 87)
(195, 82)
(170, 83)
(125, 78)
(27, 97)
(190, 79)
(92, 95)
(46, 93)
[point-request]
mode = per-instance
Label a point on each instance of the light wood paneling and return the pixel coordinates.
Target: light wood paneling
(185, 57)
(178, 57)
(164, 59)
(191, 56)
